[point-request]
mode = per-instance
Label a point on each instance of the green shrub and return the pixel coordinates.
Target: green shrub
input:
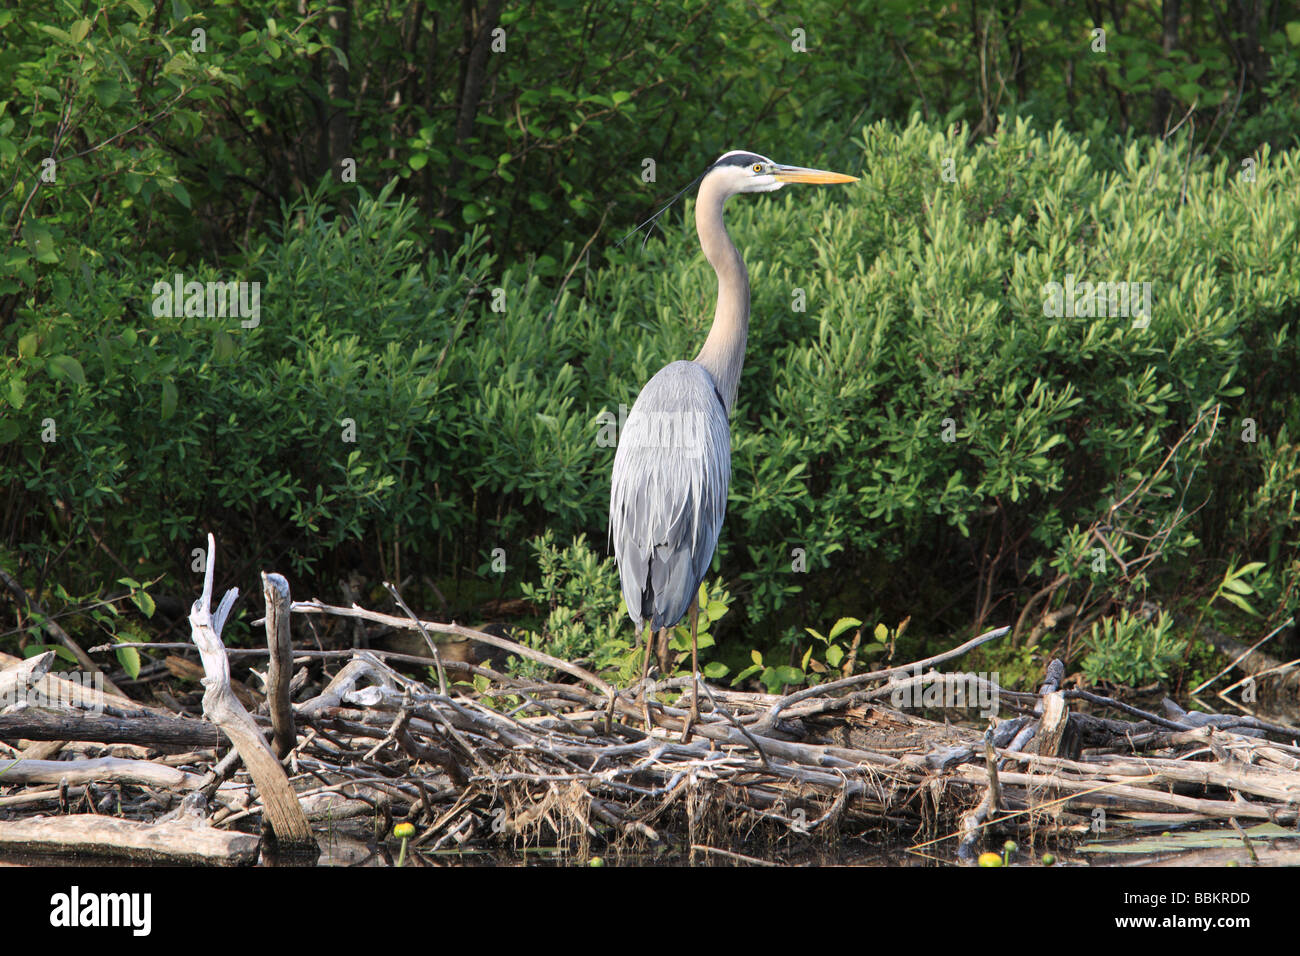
(920, 440)
(1133, 651)
(586, 620)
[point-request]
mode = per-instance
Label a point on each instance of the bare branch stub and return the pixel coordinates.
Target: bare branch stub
(285, 821)
(275, 590)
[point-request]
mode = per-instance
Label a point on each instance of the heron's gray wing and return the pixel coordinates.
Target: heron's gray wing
(669, 492)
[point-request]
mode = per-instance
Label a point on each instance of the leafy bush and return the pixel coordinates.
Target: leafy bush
(913, 435)
(587, 618)
(537, 122)
(1131, 650)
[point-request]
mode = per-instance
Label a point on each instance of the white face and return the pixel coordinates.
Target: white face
(755, 176)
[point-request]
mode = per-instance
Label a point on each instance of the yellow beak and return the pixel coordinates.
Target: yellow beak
(798, 174)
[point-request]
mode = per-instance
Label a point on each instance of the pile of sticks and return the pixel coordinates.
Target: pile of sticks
(476, 755)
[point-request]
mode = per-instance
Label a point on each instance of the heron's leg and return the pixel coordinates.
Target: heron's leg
(663, 653)
(695, 671)
(613, 697)
(648, 635)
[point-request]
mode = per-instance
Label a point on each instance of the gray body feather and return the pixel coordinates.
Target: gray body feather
(669, 492)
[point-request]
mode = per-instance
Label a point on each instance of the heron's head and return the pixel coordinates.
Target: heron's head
(741, 171)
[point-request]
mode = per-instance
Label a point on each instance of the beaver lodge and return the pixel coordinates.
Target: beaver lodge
(477, 758)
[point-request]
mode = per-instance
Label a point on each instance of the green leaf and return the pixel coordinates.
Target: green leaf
(715, 670)
(61, 652)
(223, 346)
(789, 675)
(1242, 603)
(834, 655)
(107, 91)
(41, 242)
(129, 658)
(881, 633)
(746, 673)
(169, 397)
(144, 602)
(61, 35)
(66, 368)
(756, 657)
(842, 625)
(27, 345)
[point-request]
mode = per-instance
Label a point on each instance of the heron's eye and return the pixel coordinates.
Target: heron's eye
(758, 167)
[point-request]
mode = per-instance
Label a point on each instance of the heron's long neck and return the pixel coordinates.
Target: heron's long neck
(724, 350)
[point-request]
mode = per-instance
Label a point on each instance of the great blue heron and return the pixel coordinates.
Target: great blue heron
(673, 463)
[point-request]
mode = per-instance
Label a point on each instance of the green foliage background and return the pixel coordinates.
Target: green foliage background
(433, 225)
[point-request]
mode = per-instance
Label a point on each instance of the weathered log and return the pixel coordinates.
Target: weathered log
(101, 769)
(179, 843)
(31, 723)
(1052, 726)
(54, 687)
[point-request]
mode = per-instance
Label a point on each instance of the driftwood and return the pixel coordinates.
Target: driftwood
(285, 820)
(176, 843)
(548, 760)
(27, 604)
(17, 679)
(31, 723)
(102, 770)
(54, 687)
(569, 759)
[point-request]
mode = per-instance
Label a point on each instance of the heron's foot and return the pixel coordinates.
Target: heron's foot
(609, 713)
(664, 652)
(693, 717)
